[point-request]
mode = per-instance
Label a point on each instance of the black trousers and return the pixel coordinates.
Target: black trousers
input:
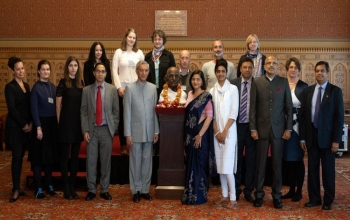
(327, 159)
(72, 150)
(262, 146)
(16, 165)
(245, 141)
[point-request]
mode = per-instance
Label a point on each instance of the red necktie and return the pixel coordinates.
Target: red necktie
(99, 107)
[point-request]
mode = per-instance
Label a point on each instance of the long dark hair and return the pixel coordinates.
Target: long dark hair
(77, 75)
(201, 75)
(92, 57)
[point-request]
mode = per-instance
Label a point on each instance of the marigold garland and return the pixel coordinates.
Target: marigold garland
(166, 103)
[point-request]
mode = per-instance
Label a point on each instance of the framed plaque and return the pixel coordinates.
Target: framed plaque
(172, 22)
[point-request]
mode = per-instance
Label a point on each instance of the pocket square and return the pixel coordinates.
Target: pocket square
(279, 90)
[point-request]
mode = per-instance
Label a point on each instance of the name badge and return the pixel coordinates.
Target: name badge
(131, 63)
(50, 100)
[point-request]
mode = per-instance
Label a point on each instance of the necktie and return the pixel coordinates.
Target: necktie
(244, 104)
(99, 107)
(317, 106)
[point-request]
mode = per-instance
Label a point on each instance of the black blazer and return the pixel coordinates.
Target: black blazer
(299, 88)
(89, 77)
(18, 104)
(330, 118)
(271, 106)
(166, 60)
(240, 64)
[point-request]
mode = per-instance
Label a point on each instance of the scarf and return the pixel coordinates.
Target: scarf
(257, 59)
(156, 53)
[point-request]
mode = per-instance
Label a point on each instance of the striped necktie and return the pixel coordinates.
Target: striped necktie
(244, 104)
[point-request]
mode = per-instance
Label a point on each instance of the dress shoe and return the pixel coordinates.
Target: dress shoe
(288, 195)
(327, 206)
(237, 197)
(50, 191)
(39, 194)
(15, 196)
(297, 197)
(90, 196)
(146, 196)
(66, 192)
(73, 193)
(277, 203)
(312, 204)
(258, 202)
(136, 197)
(248, 198)
(106, 196)
(21, 192)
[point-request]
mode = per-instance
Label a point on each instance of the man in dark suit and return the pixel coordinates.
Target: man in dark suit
(245, 141)
(321, 129)
(99, 115)
(270, 122)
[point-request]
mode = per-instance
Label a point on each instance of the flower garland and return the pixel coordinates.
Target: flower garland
(168, 104)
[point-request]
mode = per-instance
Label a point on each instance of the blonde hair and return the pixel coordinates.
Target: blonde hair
(250, 39)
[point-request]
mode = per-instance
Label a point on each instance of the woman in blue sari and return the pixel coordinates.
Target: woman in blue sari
(199, 145)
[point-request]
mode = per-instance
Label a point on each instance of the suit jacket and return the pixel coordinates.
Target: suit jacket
(270, 106)
(88, 109)
(330, 118)
(140, 118)
(18, 105)
(238, 82)
(166, 60)
(299, 88)
(89, 77)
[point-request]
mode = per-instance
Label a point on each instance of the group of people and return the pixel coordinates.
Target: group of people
(229, 114)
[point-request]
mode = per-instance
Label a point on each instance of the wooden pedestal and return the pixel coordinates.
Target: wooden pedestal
(171, 172)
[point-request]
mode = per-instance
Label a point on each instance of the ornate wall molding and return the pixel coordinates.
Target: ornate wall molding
(338, 58)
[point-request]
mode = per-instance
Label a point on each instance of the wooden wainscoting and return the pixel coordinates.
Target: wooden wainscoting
(338, 58)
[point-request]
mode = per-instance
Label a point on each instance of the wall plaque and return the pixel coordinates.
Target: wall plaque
(172, 22)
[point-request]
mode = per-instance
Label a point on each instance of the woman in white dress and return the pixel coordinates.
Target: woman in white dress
(225, 98)
(124, 72)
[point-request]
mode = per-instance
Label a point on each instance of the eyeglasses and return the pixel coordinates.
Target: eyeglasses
(271, 63)
(100, 71)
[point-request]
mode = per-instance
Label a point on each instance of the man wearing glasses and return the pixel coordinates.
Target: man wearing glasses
(99, 115)
(270, 123)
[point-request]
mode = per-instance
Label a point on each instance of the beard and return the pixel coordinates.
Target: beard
(219, 55)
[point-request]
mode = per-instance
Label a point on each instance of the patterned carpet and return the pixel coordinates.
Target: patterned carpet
(122, 207)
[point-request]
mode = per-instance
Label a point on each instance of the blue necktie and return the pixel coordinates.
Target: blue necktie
(317, 106)
(244, 104)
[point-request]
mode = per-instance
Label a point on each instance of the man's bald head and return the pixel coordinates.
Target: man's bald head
(185, 59)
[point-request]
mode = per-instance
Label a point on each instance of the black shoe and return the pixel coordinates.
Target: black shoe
(146, 196)
(73, 193)
(248, 198)
(277, 203)
(66, 192)
(311, 204)
(289, 195)
(15, 196)
(39, 194)
(50, 191)
(136, 197)
(258, 202)
(106, 196)
(327, 206)
(90, 196)
(297, 197)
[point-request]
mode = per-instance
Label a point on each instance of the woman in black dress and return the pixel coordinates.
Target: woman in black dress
(97, 54)
(43, 151)
(68, 99)
(18, 123)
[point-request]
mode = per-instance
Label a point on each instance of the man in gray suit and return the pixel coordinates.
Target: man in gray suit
(270, 122)
(141, 130)
(99, 121)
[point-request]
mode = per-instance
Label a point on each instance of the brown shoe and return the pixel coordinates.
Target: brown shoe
(222, 201)
(232, 205)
